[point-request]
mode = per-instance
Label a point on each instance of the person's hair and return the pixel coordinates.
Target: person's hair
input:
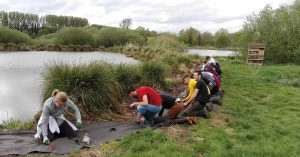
(207, 57)
(199, 72)
(187, 76)
(55, 91)
(62, 96)
(130, 89)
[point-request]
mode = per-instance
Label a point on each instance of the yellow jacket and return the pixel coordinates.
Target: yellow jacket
(192, 84)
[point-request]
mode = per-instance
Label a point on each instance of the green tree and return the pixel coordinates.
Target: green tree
(207, 39)
(190, 36)
(279, 29)
(222, 38)
(126, 23)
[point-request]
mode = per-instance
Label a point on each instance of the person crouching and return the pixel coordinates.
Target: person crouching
(148, 104)
(52, 123)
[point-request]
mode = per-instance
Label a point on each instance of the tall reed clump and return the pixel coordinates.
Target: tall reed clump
(91, 84)
(127, 75)
(153, 73)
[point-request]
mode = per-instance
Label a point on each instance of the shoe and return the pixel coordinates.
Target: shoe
(194, 120)
(209, 106)
(205, 113)
(189, 121)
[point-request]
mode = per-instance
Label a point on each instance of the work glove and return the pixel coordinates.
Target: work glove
(46, 141)
(78, 125)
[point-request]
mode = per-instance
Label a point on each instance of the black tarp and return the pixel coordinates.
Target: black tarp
(21, 143)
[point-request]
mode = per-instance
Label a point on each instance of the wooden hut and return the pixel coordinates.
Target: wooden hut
(256, 53)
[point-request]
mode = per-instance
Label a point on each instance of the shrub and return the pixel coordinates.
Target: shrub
(153, 74)
(127, 75)
(74, 36)
(13, 36)
(109, 37)
(167, 43)
(93, 84)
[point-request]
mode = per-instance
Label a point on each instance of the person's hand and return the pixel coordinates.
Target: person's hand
(185, 104)
(132, 105)
(46, 141)
(78, 125)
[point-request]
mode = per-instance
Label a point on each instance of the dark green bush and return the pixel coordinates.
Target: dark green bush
(166, 43)
(154, 73)
(74, 36)
(109, 37)
(13, 36)
(127, 75)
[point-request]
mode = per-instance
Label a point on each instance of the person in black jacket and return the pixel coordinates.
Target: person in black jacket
(195, 106)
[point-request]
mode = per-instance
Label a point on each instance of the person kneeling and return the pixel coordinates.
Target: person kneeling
(52, 123)
(195, 106)
(148, 104)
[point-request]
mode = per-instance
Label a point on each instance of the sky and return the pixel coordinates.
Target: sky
(158, 15)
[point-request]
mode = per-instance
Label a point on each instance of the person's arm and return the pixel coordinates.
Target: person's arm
(192, 98)
(191, 91)
(74, 109)
(144, 102)
(45, 119)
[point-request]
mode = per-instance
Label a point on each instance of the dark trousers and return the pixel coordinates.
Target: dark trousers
(65, 131)
(194, 109)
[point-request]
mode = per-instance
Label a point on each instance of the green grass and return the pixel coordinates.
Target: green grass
(17, 125)
(261, 115)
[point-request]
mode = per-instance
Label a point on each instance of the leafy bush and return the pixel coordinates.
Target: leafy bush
(109, 37)
(167, 43)
(74, 36)
(13, 36)
(127, 75)
(153, 73)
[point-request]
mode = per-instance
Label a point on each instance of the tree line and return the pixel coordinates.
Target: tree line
(36, 25)
(279, 29)
(194, 38)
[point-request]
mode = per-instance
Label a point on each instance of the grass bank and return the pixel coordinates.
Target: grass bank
(260, 117)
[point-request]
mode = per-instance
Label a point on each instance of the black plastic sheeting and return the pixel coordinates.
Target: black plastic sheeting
(21, 143)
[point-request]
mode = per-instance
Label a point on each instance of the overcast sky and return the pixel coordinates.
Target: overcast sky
(159, 15)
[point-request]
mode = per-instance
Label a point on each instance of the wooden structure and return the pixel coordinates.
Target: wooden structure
(256, 53)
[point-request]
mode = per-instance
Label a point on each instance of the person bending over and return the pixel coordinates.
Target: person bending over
(148, 104)
(52, 124)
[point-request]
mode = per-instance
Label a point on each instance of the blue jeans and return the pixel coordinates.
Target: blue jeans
(148, 112)
(149, 108)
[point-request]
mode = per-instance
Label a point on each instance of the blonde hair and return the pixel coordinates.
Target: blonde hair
(62, 96)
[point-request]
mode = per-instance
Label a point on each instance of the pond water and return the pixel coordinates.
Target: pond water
(220, 53)
(20, 79)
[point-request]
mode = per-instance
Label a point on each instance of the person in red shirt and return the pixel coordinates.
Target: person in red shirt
(148, 103)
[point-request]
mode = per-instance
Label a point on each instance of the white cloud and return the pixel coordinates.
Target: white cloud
(167, 15)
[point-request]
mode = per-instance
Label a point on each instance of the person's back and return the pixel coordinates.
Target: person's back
(153, 97)
(210, 69)
(203, 94)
